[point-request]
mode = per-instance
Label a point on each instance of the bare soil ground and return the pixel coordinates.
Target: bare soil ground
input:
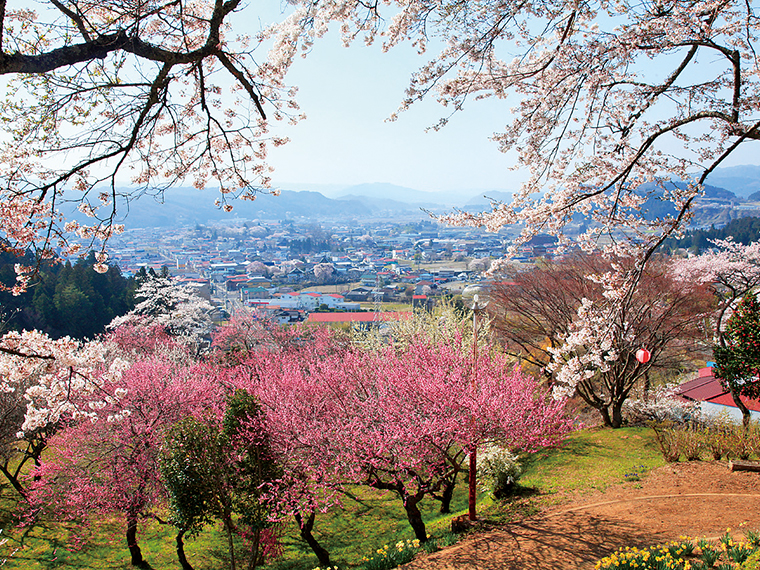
(696, 499)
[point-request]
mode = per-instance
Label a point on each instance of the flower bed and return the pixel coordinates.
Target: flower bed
(685, 554)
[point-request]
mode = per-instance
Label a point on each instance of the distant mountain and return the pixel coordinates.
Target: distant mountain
(741, 180)
(708, 208)
(385, 191)
(483, 201)
(386, 207)
(188, 206)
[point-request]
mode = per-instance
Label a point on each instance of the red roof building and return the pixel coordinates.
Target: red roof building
(706, 388)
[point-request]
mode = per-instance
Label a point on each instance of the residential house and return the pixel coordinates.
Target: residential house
(713, 398)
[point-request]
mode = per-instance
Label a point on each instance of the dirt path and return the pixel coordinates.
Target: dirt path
(693, 499)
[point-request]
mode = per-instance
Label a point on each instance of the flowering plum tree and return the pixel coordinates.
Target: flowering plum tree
(393, 420)
(107, 461)
(563, 317)
(446, 324)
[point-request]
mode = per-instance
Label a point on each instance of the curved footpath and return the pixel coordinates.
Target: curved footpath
(685, 499)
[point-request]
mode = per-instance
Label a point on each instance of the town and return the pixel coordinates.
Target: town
(289, 270)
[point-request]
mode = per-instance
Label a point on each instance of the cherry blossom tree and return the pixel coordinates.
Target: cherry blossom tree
(256, 268)
(572, 320)
(605, 97)
(17, 453)
(178, 308)
(731, 269)
(99, 91)
(54, 375)
(323, 271)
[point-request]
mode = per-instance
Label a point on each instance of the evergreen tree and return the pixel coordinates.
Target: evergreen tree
(737, 360)
(65, 299)
(214, 471)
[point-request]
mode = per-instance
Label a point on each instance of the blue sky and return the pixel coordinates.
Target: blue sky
(347, 93)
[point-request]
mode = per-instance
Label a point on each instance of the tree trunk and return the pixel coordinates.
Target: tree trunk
(606, 420)
(617, 414)
(612, 415)
(13, 480)
(134, 548)
(473, 482)
(306, 527)
(230, 543)
(414, 516)
(448, 494)
(255, 556)
(744, 409)
(181, 551)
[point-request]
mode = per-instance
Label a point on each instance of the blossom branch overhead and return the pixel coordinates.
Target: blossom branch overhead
(104, 92)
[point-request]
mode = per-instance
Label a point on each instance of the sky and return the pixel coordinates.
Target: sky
(348, 93)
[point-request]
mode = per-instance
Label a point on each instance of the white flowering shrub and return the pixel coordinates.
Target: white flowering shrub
(498, 470)
(662, 405)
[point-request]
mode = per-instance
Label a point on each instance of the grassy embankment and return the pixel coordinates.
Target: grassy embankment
(591, 459)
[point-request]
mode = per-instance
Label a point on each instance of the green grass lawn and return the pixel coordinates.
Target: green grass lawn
(589, 459)
(593, 459)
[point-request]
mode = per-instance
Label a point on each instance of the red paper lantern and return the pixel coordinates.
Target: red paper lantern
(643, 355)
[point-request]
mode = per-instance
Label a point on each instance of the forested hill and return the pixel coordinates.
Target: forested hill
(742, 230)
(66, 299)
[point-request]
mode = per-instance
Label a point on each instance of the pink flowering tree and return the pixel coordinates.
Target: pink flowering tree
(106, 459)
(249, 350)
(397, 421)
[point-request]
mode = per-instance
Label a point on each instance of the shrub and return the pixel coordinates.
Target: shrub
(692, 441)
(498, 469)
(718, 435)
(667, 440)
